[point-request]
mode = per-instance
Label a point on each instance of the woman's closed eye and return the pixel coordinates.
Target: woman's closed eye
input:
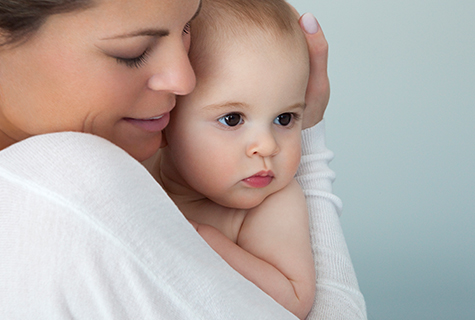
(135, 62)
(187, 28)
(139, 61)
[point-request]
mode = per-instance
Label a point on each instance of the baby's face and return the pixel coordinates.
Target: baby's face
(236, 138)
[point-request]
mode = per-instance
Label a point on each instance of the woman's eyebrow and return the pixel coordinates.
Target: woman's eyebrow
(150, 32)
(141, 33)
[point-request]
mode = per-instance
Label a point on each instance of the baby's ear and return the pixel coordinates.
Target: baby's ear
(164, 140)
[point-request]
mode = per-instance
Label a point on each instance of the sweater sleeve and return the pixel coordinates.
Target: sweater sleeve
(87, 233)
(337, 295)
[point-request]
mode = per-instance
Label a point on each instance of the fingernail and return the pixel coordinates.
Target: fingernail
(309, 23)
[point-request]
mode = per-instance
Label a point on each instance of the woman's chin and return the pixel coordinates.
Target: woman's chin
(143, 150)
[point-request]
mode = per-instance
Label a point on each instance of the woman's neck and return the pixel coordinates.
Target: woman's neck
(166, 173)
(5, 140)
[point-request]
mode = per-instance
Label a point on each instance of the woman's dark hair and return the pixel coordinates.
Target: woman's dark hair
(20, 18)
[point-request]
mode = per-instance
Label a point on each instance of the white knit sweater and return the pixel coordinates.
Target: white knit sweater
(86, 233)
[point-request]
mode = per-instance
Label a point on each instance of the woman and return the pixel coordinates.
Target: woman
(85, 231)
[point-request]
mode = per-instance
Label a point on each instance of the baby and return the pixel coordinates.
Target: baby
(233, 145)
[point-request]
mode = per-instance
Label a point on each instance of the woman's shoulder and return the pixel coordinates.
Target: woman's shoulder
(71, 162)
(83, 182)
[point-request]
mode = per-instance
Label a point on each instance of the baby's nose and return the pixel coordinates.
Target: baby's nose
(264, 144)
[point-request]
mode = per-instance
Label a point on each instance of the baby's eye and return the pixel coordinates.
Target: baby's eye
(283, 119)
(231, 119)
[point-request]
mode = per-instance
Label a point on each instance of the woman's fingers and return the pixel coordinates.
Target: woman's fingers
(318, 90)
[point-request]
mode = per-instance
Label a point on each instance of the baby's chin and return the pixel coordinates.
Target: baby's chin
(241, 203)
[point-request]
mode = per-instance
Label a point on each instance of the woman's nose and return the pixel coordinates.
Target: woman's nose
(173, 72)
(263, 143)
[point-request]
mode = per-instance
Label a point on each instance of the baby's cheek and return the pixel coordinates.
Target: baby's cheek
(294, 157)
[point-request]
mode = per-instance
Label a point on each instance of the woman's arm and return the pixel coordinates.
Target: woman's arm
(87, 233)
(337, 295)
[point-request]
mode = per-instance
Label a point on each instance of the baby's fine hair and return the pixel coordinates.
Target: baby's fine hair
(274, 15)
(225, 19)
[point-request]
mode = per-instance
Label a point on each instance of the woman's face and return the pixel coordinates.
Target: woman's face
(112, 70)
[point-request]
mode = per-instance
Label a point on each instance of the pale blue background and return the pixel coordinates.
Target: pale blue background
(401, 122)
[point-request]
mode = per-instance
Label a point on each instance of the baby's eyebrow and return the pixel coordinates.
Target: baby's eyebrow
(298, 105)
(228, 105)
(242, 105)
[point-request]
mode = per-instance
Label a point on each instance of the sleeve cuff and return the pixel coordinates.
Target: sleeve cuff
(313, 139)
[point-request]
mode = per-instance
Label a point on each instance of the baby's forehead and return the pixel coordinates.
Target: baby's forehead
(222, 23)
(251, 35)
(219, 15)
(211, 51)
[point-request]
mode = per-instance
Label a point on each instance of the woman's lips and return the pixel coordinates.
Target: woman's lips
(154, 124)
(259, 180)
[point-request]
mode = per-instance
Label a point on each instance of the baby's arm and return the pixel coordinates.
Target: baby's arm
(273, 249)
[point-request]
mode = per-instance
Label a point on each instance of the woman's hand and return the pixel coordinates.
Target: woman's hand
(194, 224)
(318, 89)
